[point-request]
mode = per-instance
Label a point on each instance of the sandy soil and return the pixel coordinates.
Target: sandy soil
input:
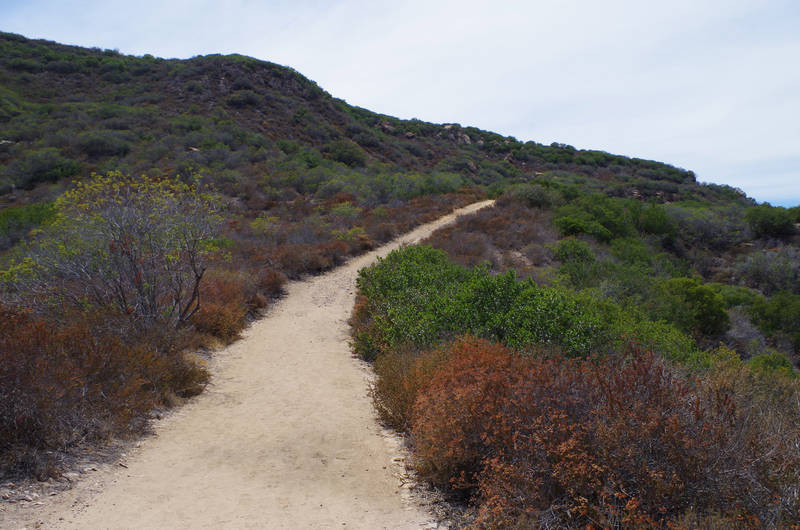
(285, 437)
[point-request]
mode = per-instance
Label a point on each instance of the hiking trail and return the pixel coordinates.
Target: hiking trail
(285, 436)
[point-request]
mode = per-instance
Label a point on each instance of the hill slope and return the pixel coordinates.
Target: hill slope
(67, 111)
(222, 177)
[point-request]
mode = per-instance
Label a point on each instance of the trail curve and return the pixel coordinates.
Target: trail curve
(284, 437)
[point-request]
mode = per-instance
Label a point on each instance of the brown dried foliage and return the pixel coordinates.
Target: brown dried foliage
(401, 377)
(612, 443)
(61, 385)
(224, 305)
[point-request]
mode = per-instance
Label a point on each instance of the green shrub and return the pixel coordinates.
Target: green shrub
(41, 165)
(654, 219)
(572, 249)
(631, 250)
(63, 67)
(533, 195)
(695, 307)
(576, 223)
(769, 221)
(660, 337)
(735, 295)
(367, 139)
(17, 220)
(103, 143)
(578, 263)
(779, 314)
(346, 153)
(770, 363)
(596, 215)
(418, 298)
(24, 65)
(243, 98)
(289, 147)
(551, 318)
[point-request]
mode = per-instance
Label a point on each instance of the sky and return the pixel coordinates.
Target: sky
(712, 86)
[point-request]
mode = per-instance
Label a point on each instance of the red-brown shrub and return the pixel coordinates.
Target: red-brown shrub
(271, 281)
(296, 260)
(224, 304)
(401, 376)
(61, 385)
(455, 411)
(333, 253)
(381, 231)
(610, 443)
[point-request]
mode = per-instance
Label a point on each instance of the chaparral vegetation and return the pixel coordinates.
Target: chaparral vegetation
(613, 344)
(567, 358)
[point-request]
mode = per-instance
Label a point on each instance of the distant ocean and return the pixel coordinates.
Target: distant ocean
(788, 203)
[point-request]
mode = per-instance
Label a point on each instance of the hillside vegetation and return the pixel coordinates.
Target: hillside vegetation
(567, 358)
(150, 207)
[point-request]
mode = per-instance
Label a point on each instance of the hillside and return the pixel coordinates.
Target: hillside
(67, 111)
(151, 208)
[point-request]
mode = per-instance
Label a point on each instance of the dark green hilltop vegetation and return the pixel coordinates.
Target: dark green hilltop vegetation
(612, 344)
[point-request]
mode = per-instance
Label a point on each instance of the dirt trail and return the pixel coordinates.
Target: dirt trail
(285, 437)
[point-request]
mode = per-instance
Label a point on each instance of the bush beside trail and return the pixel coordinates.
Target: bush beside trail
(617, 442)
(116, 282)
(558, 409)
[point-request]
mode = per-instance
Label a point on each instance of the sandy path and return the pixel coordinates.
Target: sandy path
(285, 437)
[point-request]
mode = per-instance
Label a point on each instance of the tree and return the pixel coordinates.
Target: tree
(139, 245)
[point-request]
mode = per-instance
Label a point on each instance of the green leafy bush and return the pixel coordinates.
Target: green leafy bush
(578, 262)
(631, 250)
(654, 219)
(735, 295)
(596, 215)
(770, 221)
(346, 153)
(244, 98)
(769, 363)
(417, 298)
(571, 250)
(41, 165)
(17, 220)
(533, 195)
(695, 307)
(103, 143)
(779, 314)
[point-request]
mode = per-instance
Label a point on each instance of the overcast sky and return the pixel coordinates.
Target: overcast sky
(708, 85)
